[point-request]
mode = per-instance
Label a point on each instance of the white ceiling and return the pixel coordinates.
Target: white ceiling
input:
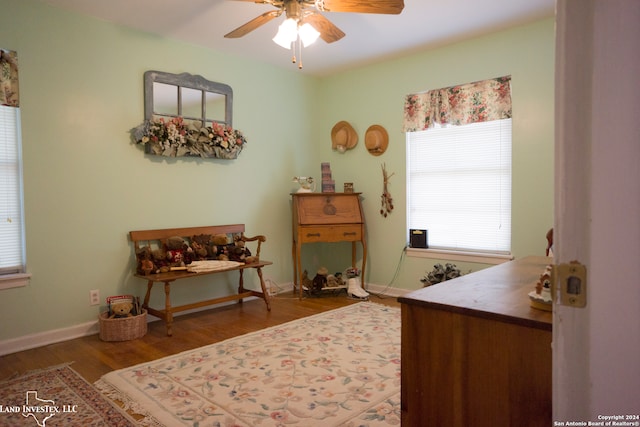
(369, 38)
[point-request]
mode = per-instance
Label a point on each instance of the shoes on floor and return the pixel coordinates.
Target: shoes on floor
(355, 290)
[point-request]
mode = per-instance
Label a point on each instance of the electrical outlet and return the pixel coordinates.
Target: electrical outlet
(94, 297)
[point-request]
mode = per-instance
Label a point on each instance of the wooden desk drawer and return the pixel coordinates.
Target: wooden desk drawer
(329, 209)
(330, 233)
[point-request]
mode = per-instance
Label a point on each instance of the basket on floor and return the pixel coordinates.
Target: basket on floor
(123, 328)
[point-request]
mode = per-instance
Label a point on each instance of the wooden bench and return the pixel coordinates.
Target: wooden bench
(146, 241)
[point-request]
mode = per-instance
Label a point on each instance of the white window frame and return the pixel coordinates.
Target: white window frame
(451, 252)
(11, 175)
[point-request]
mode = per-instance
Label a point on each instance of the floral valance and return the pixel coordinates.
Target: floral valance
(459, 105)
(9, 93)
(176, 137)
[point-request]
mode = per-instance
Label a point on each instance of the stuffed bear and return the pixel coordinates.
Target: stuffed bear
(160, 263)
(178, 252)
(218, 243)
(320, 281)
(307, 284)
(219, 247)
(145, 260)
(176, 243)
(122, 309)
(201, 245)
(219, 239)
(237, 250)
(199, 250)
(235, 253)
(333, 281)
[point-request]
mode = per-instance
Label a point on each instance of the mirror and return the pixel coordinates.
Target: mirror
(189, 96)
(215, 104)
(192, 105)
(165, 99)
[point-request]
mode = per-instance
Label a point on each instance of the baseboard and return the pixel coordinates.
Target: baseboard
(27, 342)
(40, 339)
(386, 290)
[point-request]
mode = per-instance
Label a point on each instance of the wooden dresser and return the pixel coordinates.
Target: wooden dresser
(326, 217)
(474, 353)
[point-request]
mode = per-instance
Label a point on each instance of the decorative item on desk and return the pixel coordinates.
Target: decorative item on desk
(325, 171)
(307, 184)
(348, 187)
(541, 297)
(328, 184)
(387, 201)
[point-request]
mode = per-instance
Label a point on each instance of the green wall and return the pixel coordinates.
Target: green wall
(375, 95)
(87, 186)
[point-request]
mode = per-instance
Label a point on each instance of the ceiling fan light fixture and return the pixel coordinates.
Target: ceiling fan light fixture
(287, 33)
(308, 34)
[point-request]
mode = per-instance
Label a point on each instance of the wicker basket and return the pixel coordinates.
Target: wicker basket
(124, 328)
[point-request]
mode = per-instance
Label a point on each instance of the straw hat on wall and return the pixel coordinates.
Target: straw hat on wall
(376, 139)
(343, 137)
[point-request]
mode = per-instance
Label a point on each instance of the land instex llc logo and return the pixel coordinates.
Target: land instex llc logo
(40, 409)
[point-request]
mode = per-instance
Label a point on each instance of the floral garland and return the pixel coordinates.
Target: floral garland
(175, 137)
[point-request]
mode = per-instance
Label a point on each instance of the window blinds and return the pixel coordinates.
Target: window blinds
(11, 226)
(459, 186)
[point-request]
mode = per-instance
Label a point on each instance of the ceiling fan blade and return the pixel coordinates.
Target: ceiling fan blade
(253, 24)
(390, 7)
(328, 31)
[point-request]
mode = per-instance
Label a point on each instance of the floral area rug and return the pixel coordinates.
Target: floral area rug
(57, 396)
(338, 368)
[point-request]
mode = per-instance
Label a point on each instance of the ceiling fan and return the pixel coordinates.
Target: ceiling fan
(299, 13)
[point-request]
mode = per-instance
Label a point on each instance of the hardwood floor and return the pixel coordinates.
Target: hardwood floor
(93, 358)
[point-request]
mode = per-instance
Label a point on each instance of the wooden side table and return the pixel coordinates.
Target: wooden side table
(326, 217)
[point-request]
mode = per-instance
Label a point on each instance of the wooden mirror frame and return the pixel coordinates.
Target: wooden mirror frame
(186, 80)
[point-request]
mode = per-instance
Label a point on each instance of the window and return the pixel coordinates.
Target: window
(12, 249)
(459, 167)
(459, 186)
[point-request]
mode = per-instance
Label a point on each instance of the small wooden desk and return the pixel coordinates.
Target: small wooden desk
(326, 217)
(474, 353)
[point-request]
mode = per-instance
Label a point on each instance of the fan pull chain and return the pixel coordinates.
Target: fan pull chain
(293, 49)
(293, 52)
(293, 55)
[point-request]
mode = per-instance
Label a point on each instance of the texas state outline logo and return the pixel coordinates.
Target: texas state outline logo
(41, 410)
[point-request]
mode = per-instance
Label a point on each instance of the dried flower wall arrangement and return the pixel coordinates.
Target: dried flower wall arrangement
(387, 201)
(175, 137)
